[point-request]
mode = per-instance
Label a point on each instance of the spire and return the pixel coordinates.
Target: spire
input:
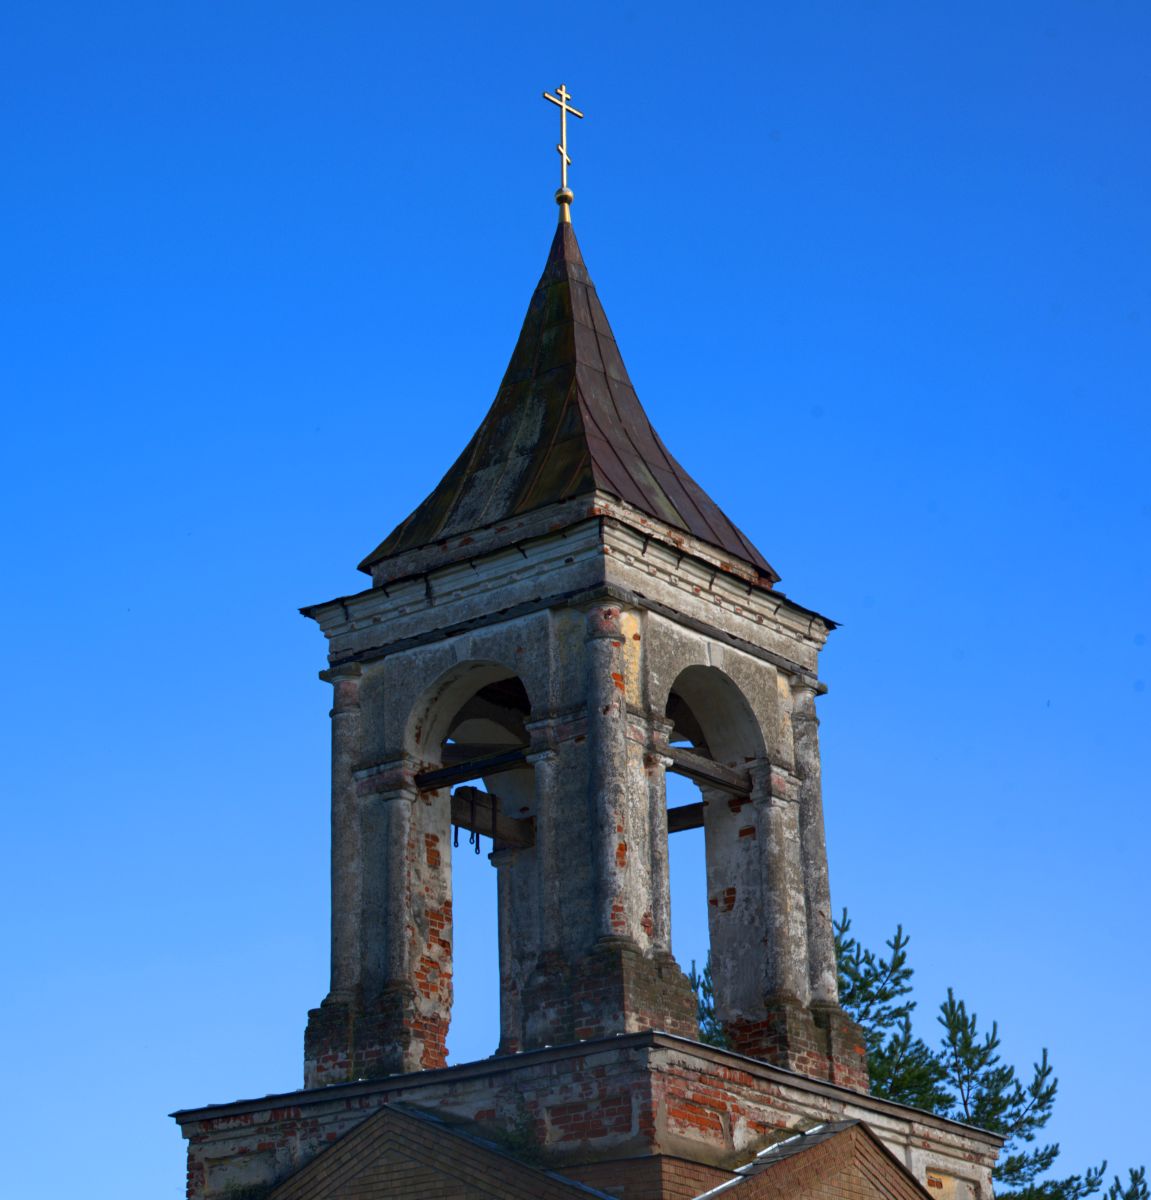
(565, 423)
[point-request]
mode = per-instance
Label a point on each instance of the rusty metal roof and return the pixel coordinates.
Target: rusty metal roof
(565, 422)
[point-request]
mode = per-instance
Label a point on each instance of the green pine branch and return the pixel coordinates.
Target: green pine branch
(965, 1078)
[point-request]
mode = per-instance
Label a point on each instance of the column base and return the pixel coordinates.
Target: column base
(615, 988)
(343, 1043)
(821, 1042)
(846, 1047)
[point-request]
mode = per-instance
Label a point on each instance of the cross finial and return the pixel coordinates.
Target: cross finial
(564, 196)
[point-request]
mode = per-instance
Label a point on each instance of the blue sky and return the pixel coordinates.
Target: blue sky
(882, 278)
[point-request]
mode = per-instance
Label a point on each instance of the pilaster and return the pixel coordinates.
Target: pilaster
(347, 855)
(817, 890)
(397, 1018)
(656, 763)
(607, 770)
(775, 799)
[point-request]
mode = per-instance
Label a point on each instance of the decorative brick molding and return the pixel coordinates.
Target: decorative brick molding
(624, 1107)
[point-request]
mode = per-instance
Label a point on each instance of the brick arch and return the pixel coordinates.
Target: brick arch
(434, 715)
(710, 709)
(719, 671)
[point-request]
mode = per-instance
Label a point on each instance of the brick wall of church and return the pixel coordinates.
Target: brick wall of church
(660, 1178)
(625, 1098)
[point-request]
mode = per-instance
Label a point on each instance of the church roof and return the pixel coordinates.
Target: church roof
(565, 422)
(404, 1152)
(837, 1159)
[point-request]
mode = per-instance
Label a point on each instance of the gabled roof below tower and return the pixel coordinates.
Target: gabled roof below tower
(565, 423)
(400, 1152)
(840, 1160)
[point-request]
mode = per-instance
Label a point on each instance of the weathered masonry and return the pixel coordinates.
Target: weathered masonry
(567, 618)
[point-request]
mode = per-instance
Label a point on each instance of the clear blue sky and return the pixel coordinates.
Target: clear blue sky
(881, 273)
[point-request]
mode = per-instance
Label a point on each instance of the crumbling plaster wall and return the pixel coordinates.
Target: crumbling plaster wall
(616, 1099)
(598, 623)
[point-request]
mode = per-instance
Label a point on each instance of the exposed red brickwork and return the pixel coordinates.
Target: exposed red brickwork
(659, 1177)
(610, 990)
(821, 1042)
(639, 1097)
(433, 1033)
(341, 1044)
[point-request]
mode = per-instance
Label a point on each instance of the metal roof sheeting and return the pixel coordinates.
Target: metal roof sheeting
(565, 422)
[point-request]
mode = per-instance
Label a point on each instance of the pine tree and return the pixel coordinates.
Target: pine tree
(711, 1031)
(964, 1079)
(876, 991)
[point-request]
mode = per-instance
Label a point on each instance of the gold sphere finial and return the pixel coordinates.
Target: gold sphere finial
(564, 198)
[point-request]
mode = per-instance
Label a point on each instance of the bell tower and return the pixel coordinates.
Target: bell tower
(564, 621)
(566, 618)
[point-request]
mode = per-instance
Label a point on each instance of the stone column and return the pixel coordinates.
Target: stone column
(370, 1033)
(782, 1030)
(549, 857)
(656, 764)
(347, 859)
(328, 1039)
(820, 931)
(388, 800)
(785, 918)
(607, 768)
(511, 1001)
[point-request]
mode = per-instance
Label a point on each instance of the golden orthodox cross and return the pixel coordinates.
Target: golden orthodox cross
(561, 98)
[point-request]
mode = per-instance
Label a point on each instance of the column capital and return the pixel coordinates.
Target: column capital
(772, 784)
(345, 681)
(660, 728)
(341, 671)
(807, 684)
(604, 621)
(388, 780)
(658, 733)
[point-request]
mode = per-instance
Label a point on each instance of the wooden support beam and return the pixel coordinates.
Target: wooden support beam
(454, 753)
(479, 812)
(686, 816)
(708, 773)
(476, 768)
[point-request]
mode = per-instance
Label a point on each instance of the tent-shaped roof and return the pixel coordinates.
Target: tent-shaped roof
(565, 423)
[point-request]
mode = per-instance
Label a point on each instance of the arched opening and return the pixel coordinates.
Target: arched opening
(711, 716)
(714, 735)
(471, 739)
